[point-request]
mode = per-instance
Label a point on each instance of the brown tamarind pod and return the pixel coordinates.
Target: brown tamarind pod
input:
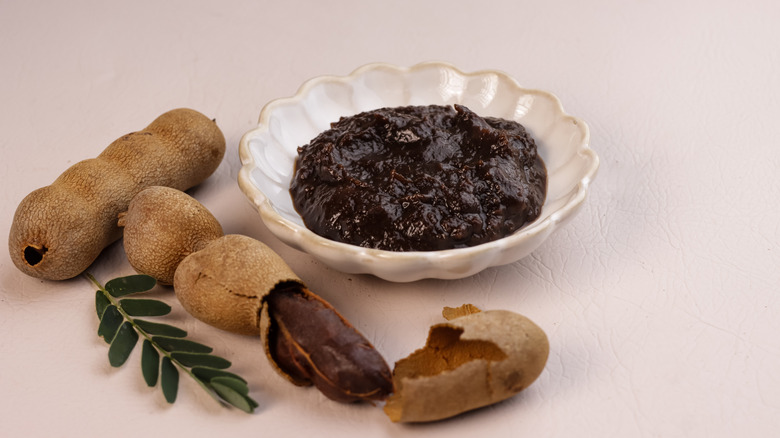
(155, 243)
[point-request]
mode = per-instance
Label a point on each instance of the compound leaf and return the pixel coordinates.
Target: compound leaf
(167, 349)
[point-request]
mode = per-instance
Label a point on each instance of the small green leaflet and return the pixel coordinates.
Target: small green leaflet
(165, 351)
(154, 328)
(208, 373)
(122, 286)
(169, 380)
(200, 359)
(101, 303)
(109, 323)
(122, 345)
(235, 398)
(141, 307)
(234, 384)
(150, 363)
(179, 344)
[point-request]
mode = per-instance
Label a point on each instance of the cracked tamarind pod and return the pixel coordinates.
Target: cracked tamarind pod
(60, 229)
(236, 283)
(239, 284)
(474, 360)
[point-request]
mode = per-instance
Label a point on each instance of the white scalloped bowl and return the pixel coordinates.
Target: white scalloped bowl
(268, 155)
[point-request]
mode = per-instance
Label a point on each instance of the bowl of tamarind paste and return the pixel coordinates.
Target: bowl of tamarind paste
(408, 173)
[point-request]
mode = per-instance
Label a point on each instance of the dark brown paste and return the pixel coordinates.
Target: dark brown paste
(419, 178)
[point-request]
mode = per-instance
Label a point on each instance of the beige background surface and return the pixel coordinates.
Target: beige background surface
(660, 299)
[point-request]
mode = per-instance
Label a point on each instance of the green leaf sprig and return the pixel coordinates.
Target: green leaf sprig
(164, 349)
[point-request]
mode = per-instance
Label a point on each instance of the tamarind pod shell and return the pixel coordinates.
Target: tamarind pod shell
(474, 360)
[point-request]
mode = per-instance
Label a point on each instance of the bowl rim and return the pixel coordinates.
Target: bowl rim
(270, 216)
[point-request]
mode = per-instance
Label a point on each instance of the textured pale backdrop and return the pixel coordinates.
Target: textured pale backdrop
(660, 299)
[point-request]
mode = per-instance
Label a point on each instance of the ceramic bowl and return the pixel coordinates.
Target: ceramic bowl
(268, 155)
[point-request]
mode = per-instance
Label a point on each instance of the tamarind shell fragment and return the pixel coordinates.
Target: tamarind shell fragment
(473, 360)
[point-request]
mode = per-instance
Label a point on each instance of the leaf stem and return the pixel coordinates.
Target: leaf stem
(95, 282)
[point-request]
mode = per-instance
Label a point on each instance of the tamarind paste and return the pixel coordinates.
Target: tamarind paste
(419, 178)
